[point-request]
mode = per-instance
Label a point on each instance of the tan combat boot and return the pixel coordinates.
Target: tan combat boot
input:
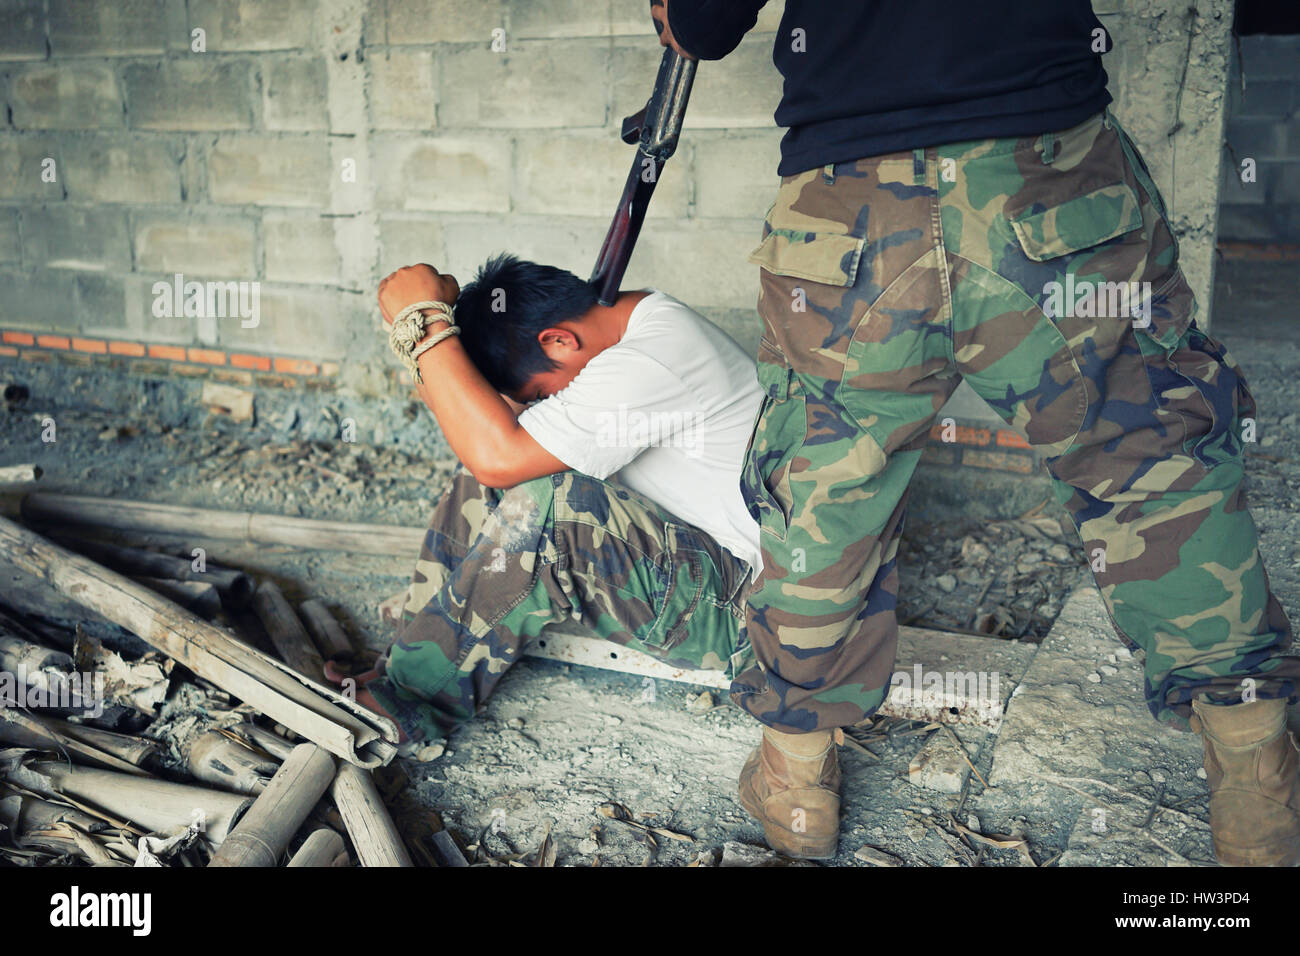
(1254, 772)
(791, 783)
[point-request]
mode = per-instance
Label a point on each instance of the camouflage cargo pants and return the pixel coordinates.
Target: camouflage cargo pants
(498, 566)
(888, 280)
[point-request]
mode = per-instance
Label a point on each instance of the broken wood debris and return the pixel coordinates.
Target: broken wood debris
(265, 830)
(287, 633)
(310, 709)
(370, 828)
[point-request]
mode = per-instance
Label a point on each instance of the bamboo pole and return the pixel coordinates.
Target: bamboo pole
(371, 829)
(155, 805)
(286, 631)
(245, 526)
(19, 474)
(322, 848)
(197, 596)
(46, 733)
(265, 830)
(216, 759)
(272, 743)
(332, 643)
(310, 709)
(235, 587)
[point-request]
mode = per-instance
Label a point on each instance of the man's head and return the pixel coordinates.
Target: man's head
(521, 324)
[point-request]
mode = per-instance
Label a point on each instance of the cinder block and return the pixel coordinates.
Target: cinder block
(1261, 99)
(196, 93)
(294, 94)
(39, 300)
(140, 320)
(735, 173)
(30, 168)
(1257, 138)
(439, 21)
(254, 24)
(1282, 181)
(1234, 192)
(205, 248)
(633, 67)
(554, 19)
(67, 96)
(469, 174)
(403, 94)
(301, 323)
(535, 83)
(270, 171)
(404, 242)
(1270, 57)
(11, 250)
(89, 239)
(123, 169)
(1252, 223)
(702, 263)
(53, 301)
(743, 89)
(300, 250)
(568, 243)
(22, 30)
(99, 303)
(120, 28)
(584, 176)
(743, 325)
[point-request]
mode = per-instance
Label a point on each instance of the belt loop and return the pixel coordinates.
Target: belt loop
(1049, 148)
(828, 174)
(918, 166)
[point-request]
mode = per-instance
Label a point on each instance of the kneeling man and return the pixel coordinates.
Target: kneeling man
(613, 498)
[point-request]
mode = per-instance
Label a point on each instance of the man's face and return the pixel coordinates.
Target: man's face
(570, 353)
(545, 384)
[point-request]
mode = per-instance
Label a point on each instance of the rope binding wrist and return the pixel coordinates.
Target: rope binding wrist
(409, 328)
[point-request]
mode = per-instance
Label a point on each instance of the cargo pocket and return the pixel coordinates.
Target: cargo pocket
(779, 433)
(1078, 224)
(800, 244)
(683, 575)
(1193, 376)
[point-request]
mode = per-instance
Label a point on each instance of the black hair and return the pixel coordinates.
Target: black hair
(502, 311)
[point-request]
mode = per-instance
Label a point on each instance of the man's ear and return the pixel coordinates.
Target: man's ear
(558, 342)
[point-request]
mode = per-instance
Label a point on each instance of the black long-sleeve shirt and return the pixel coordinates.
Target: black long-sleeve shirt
(878, 76)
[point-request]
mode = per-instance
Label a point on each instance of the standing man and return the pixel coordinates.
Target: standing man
(956, 202)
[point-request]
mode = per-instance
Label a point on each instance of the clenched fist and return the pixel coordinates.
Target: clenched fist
(418, 283)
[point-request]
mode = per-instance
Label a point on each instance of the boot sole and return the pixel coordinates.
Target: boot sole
(1256, 856)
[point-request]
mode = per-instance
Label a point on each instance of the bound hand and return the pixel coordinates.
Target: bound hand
(418, 283)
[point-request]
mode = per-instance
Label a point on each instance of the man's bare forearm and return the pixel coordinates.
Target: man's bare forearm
(476, 421)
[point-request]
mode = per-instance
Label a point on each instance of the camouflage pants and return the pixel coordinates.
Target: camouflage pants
(887, 281)
(498, 566)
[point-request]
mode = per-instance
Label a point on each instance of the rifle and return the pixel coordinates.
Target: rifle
(655, 129)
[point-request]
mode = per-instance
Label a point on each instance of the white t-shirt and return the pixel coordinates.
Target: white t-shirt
(667, 411)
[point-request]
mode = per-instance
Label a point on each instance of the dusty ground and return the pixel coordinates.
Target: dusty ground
(1079, 769)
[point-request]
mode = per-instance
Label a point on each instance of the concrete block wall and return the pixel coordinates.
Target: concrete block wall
(315, 145)
(1263, 131)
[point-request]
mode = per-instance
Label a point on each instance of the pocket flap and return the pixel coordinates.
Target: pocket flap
(1079, 223)
(831, 258)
